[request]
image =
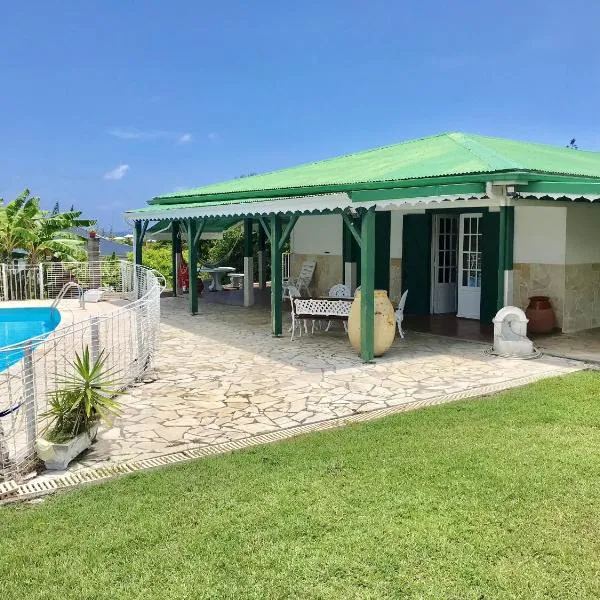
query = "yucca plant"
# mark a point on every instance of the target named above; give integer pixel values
(83, 398)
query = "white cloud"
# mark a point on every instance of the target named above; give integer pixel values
(116, 173)
(149, 136)
(212, 136)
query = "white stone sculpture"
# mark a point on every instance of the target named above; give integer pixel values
(510, 332)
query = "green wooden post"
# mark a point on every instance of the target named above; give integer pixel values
(367, 286)
(248, 263)
(501, 257)
(262, 242)
(174, 251)
(276, 284)
(138, 240)
(192, 227)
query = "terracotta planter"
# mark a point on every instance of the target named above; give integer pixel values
(540, 314)
(385, 322)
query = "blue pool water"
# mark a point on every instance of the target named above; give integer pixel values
(21, 324)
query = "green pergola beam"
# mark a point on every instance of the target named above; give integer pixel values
(265, 227)
(367, 286)
(288, 230)
(352, 228)
(200, 229)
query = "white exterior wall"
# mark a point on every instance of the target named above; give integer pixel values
(583, 234)
(317, 234)
(540, 235)
(397, 220)
(318, 238)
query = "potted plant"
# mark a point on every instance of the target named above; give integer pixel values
(82, 400)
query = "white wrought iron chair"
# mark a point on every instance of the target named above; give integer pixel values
(400, 313)
(339, 290)
(293, 292)
(302, 282)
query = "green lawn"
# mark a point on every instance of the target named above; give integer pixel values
(493, 498)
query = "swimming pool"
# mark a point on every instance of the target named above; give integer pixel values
(21, 324)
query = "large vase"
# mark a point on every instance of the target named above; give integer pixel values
(540, 314)
(385, 322)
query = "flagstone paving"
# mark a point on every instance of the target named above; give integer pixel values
(220, 376)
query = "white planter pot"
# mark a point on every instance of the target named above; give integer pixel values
(57, 457)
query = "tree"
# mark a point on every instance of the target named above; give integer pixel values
(56, 208)
(24, 225)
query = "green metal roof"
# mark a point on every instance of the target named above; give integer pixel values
(445, 158)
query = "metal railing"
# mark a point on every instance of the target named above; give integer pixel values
(63, 292)
(126, 329)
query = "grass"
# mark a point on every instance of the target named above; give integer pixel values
(495, 498)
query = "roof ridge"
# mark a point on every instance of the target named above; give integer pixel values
(332, 158)
(483, 153)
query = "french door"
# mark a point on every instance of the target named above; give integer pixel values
(444, 258)
(469, 266)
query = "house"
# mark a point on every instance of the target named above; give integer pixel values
(107, 245)
(466, 223)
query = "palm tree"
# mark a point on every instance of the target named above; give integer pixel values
(43, 235)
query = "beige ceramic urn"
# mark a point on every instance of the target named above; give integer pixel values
(385, 322)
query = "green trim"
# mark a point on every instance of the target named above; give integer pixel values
(288, 230)
(174, 249)
(502, 225)
(248, 237)
(461, 189)
(192, 227)
(383, 228)
(574, 186)
(416, 262)
(510, 238)
(276, 282)
(367, 286)
(351, 228)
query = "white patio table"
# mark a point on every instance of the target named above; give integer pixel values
(216, 273)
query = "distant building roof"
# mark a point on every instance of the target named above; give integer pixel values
(107, 246)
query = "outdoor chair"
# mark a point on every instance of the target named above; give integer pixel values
(293, 292)
(400, 313)
(302, 282)
(339, 290)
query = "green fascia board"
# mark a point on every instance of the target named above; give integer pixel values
(583, 188)
(416, 162)
(459, 189)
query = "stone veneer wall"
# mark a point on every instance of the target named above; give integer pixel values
(395, 279)
(582, 297)
(574, 291)
(328, 272)
(535, 279)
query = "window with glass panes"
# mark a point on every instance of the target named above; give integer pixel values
(446, 267)
(471, 252)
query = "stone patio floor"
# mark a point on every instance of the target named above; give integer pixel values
(220, 376)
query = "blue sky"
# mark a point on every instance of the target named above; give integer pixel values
(106, 104)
